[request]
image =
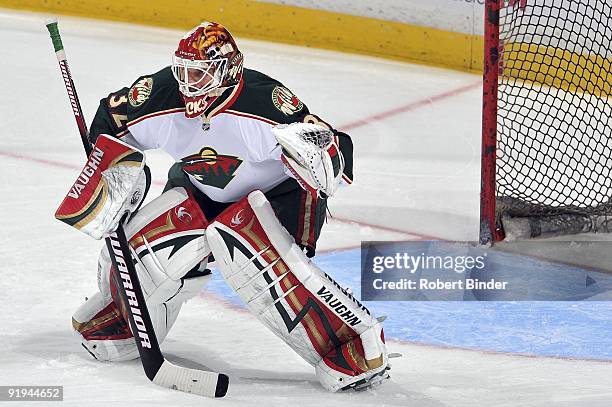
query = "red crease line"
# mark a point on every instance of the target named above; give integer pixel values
(409, 107)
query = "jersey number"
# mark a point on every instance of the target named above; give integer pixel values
(314, 119)
(115, 103)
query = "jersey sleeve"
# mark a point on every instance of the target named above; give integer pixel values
(150, 99)
(120, 112)
(346, 148)
(268, 99)
(111, 118)
(288, 108)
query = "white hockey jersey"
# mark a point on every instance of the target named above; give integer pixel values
(230, 152)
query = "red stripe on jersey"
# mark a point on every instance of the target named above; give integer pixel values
(122, 134)
(231, 101)
(300, 220)
(250, 116)
(309, 221)
(163, 112)
(347, 179)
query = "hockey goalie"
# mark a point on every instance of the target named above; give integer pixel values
(249, 188)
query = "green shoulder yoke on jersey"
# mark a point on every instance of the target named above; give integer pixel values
(267, 98)
(153, 95)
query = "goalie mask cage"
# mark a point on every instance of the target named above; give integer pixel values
(546, 148)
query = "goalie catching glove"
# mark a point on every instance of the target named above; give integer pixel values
(312, 156)
(113, 182)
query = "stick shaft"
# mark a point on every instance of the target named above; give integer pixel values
(124, 272)
(157, 369)
(70, 88)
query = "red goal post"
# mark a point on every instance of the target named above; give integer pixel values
(546, 125)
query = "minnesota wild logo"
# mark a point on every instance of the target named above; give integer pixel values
(210, 168)
(285, 101)
(140, 92)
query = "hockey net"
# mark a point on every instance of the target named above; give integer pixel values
(547, 136)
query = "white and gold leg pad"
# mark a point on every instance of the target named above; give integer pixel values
(170, 252)
(301, 304)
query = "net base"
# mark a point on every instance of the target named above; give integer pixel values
(521, 220)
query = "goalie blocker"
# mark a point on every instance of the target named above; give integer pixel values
(301, 304)
(113, 182)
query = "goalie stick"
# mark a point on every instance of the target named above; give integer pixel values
(156, 367)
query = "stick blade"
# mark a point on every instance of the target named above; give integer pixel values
(201, 382)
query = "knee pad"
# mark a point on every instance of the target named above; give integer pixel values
(297, 301)
(167, 240)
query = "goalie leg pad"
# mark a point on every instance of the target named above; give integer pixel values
(167, 241)
(103, 331)
(167, 238)
(170, 253)
(297, 301)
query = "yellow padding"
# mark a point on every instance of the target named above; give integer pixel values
(558, 68)
(287, 24)
(323, 29)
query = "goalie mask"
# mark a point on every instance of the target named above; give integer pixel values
(206, 63)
